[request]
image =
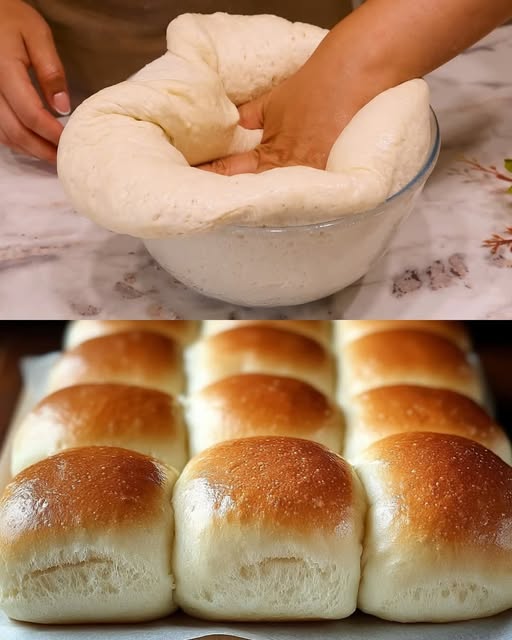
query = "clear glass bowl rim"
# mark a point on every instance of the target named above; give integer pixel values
(353, 219)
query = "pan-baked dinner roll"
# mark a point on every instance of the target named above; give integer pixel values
(350, 330)
(438, 541)
(129, 417)
(260, 349)
(133, 357)
(253, 404)
(87, 536)
(383, 411)
(407, 357)
(182, 331)
(268, 529)
(319, 330)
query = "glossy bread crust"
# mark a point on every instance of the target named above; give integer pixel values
(319, 330)
(132, 357)
(126, 416)
(408, 357)
(439, 529)
(182, 331)
(254, 404)
(91, 488)
(260, 349)
(283, 483)
(380, 412)
(350, 330)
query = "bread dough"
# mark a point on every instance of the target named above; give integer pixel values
(125, 155)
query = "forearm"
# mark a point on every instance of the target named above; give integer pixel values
(391, 41)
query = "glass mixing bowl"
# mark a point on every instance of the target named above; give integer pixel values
(280, 266)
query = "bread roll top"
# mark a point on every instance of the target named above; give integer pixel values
(252, 404)
(133, 357)
(319, 330)
(280, 483)
(260, 349)
(182, 331)
(89, 490)
(350, 330)
(408, 357)
(127, 416)
(441, 489)
(383, 411)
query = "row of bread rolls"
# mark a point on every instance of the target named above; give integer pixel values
(396, 378)
(436, 529)
(237, 393)
(116, 385)
(256, 380)
(264, 528)
(124, 388)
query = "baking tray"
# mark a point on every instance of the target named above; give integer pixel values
(182, 627)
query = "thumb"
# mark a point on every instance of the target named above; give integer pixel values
(252, 113)
(233, 165)
(48, 68)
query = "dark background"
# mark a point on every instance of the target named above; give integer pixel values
(492, 339)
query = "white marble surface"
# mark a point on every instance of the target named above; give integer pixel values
(54, 264)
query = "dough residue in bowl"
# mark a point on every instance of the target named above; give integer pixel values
(126, 157)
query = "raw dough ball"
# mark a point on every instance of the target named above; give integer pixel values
(124, 157)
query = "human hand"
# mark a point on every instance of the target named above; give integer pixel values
(303, 116)
(301, 119)
(380, 45)
(26, 41)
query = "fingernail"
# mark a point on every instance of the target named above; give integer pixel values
(61, 103)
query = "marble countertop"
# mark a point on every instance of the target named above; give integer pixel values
(55, 264)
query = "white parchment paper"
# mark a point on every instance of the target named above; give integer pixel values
(182, 627)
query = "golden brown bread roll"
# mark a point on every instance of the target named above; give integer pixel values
(133, 357)
(182, 331)
(87, 536)
(260, 349)
(125, 416)
(375, 414)
(407, 357)
(268, 529)
(438, 541)
(319, 330)
(350, 330)
(254, 404)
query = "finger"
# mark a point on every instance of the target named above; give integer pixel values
(233, 165)
(21, 139)
(252, 113)
(26, 104)
(48, 68)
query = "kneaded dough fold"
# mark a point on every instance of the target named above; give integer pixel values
(125, 155)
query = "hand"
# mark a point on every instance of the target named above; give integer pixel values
(301, 118)
(381, 44)
(26, 41)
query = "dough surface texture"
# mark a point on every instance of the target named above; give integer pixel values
(126, 157)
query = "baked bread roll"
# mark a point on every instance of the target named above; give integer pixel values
(134, 357)
(143, 420)
(256, 349)
(319, 330)
(350, 330)
(407, 357)
(268, 529)
(182, 331)
(253, 404)
(381, 412)
(438, 541)
(87, 536)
